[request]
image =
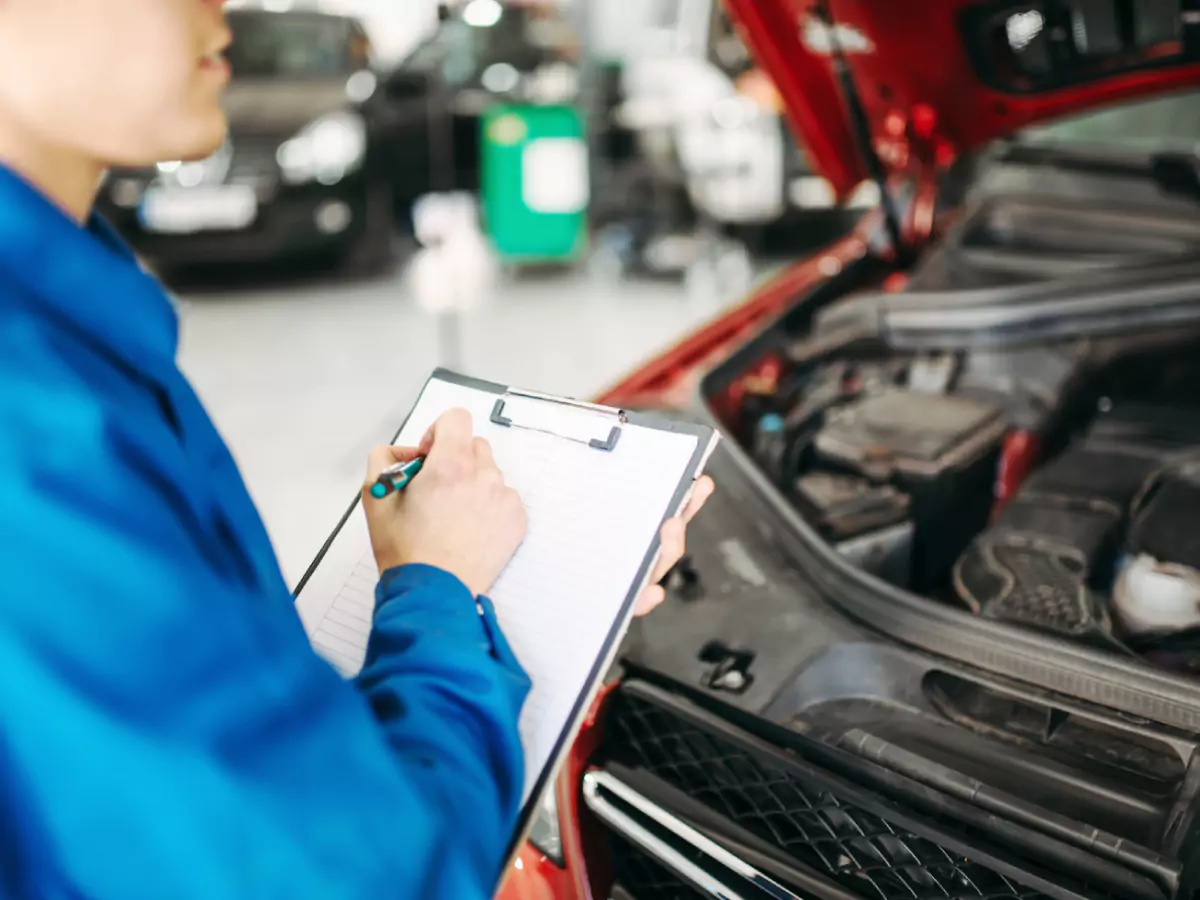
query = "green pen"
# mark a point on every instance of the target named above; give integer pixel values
(396, 478)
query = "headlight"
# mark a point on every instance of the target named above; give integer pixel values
(545, 833)
(326, 150)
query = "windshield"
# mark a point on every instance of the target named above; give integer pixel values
(1164, 125)
(524, 37)
(281, 45)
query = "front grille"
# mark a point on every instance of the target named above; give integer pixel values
(858, 850)
(642, 878)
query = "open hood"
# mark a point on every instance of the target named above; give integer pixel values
(937, 78)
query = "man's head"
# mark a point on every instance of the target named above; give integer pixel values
(121, 82)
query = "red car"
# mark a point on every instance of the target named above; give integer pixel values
(938, 633)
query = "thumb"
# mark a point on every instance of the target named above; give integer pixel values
(407, 454)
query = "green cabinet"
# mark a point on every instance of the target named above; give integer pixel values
(535, 184)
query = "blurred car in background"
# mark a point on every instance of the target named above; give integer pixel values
(303, 171)
(484, 52)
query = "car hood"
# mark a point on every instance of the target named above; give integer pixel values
(280, 107)
(917, 72)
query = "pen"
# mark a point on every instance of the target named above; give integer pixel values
(396, 478)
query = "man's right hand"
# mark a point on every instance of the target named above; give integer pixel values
(456, 514)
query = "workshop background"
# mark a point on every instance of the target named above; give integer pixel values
(541, 193)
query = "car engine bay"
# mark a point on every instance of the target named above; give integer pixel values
(1028, 451)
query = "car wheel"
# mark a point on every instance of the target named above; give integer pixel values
(373, 251)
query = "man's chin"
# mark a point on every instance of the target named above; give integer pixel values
(207, 146)
(200, 139)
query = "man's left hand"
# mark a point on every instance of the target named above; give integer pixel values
(674, 543)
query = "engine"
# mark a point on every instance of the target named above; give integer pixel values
(1017, 483)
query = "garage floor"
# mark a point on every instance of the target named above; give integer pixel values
(303, 374)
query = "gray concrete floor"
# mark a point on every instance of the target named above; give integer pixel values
(304, 375)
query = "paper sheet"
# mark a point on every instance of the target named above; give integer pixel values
(592, 516)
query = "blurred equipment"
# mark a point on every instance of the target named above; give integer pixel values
(535, 183)
(302, 171)
(715, 167)
(455, 271)
(484, 53)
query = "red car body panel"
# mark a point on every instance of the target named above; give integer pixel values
(923, 100)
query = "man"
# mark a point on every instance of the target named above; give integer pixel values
(165, 730)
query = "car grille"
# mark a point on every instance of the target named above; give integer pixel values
(640, 877)
(850, 846)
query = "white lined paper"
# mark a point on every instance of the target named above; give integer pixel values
(592, 516)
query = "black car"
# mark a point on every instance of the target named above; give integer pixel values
(303, 171)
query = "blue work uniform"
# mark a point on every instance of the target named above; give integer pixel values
(166, 731)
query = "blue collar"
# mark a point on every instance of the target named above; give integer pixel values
(86, 276)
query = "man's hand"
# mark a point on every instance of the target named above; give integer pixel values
(456, 514)
(674, 543)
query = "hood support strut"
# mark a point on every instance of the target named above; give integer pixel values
(862, 133)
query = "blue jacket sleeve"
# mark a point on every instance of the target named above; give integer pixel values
(167, 732)
(422, 679)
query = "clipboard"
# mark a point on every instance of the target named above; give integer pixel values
(598, 439)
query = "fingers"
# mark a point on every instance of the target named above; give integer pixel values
(483, 453)
(450, 454)
(451, 434)
(700, 493)
(672, 547)
(649, 599)
(404, 454)
(426, 443)
(381, 458)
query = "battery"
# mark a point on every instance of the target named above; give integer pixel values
(841, 507)
(907, 433)
(941, 450)
(867, 523)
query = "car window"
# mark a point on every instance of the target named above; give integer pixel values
(1162, 125)
(278, 45)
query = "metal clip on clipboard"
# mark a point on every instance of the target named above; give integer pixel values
(606, 444)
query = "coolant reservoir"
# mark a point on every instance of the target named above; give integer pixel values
(1156, 597)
